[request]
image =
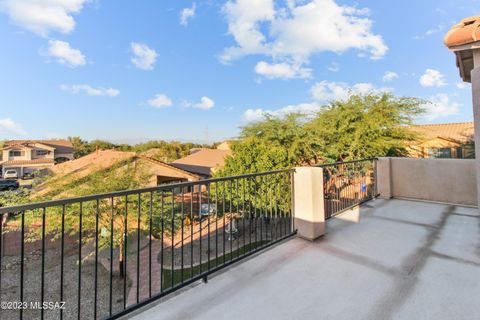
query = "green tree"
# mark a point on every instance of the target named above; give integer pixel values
(160, 150)
(364, 126)
(79, 147)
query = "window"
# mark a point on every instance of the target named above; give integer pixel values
(42, 152)
(469, 151)
(459, 153)
(16, 153)
(440, 153)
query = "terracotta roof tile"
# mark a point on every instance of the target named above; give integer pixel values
(462, 132)
(25, 162)
(92, 162)
(465, 32)
(61, 146)
(202, 161)
(104, 159)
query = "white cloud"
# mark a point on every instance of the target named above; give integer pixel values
(186, 14)
(389, 76)
(65, 54)
(321, 92)
(43, 16)
(462, 85)
(205, 103)
(300, 29)
(8, 126)
(243, 18)
(330, 91)
(432, 78)
(282, 70)
(160, 101)
(89, 90)
(430, 32)
(439, 106)
(334, 67)
(251, 115)
(144, 57)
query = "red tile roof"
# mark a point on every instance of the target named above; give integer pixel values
(462, 132)
(61, 146)
(202, 161)
(27, 162)
(465, 32)
(103, 159)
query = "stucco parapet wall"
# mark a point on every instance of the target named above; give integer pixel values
(440, 180)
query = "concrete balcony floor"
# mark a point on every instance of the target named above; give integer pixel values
(402, 260)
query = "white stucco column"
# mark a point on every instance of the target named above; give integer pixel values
(309, 202)
(384, 178)
(475, 75)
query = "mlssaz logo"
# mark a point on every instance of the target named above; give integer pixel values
(47, 305)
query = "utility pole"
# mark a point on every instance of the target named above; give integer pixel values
(207, 138)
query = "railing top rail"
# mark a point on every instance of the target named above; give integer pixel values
(164, 187)
(343, 162)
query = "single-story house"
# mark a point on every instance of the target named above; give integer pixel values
(446, 140)
(203, 162)
(75, 172)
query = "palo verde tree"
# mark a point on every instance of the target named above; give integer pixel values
(361, 127)
(364, 126)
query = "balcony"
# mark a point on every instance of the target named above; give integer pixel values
(402, 260)
(326, 240)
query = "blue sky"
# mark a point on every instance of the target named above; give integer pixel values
(175, 69)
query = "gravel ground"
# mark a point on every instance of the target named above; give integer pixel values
(32, 285)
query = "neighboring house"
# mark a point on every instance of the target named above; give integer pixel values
(446, 140)
(225, 145)
(203, 162)
(74, 174)
(26, 156)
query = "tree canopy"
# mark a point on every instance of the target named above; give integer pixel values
(158, 149)
(363, 126)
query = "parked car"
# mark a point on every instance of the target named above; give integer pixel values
(9, 185)
(10, 174)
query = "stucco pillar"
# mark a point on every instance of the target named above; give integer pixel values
(309, 202)
(384, 178)
(475, 75)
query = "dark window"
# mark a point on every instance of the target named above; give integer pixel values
(42, 152)
(16, 153)
(440, 153)
(459, 153)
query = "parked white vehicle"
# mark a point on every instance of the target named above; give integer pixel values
(10, 174)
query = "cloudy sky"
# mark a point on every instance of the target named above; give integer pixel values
(178, 69)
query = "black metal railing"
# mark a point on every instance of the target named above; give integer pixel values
(348, 184)
(102, 256)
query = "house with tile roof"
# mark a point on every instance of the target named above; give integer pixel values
(446, 140)
(26, 156)
(203, 161)
(76, 173)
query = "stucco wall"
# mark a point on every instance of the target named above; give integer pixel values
(443, 180)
